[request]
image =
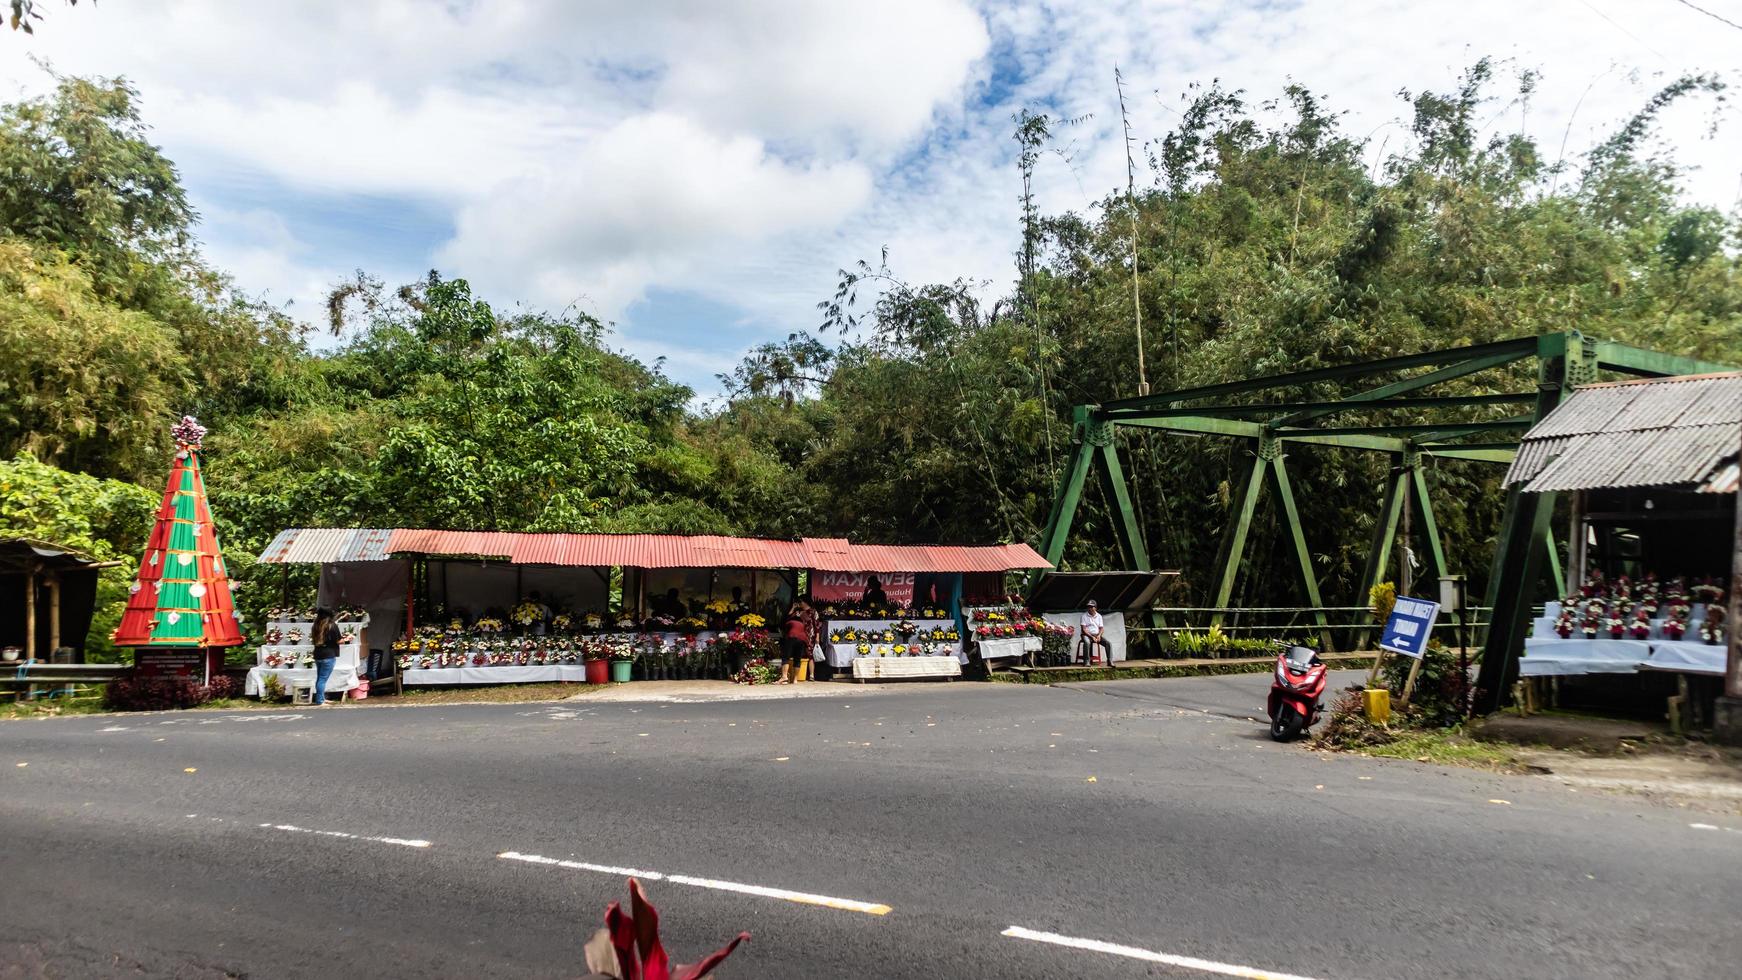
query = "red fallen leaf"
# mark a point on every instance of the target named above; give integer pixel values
(631, 940)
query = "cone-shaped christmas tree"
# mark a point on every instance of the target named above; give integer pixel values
(182, 596)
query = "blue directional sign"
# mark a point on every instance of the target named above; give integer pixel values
(1407, 629)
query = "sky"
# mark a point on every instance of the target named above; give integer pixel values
(696, 172)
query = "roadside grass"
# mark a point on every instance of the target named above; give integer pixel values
(1446, 746)
(88, 704)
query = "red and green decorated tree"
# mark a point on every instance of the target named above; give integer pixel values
(181, 599)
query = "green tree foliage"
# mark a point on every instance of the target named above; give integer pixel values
(106, 519)
(1266, 239)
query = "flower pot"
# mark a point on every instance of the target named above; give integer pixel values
(620, 671)
(598, 671)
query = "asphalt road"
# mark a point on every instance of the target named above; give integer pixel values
(1154, 815)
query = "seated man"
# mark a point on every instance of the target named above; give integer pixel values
(1095, 631)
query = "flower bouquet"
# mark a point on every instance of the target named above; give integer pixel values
(1640, 628)
(1712, 627)
(273, 659)
(751, 621)
(526, 614)
(1616, 626)
(1564, 624)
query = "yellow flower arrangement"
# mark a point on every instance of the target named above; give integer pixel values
(751, 621)
(719, 607)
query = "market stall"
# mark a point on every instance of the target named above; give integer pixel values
(903, 610)
(287, 654)
(1650, 469)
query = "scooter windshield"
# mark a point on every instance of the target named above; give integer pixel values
(1300, 658)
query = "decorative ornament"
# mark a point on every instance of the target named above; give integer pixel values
(185, 558)
(197, 589)
(173, 618)
(134, 588)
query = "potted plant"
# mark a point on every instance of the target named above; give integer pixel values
(598, 663)
(622, 662)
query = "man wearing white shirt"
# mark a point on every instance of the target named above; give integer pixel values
(1095, 631)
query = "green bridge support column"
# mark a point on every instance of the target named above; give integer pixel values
(1234, 538)
(1303, 558)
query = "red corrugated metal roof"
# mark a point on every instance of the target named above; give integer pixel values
(482, 544)
(713, 551)
(656, 551)
(927, 558)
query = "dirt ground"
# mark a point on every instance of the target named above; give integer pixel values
(1632, 757)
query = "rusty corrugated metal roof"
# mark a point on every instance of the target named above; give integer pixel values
(693, 551)
(470, 544)
(315, 546)
(1657, 432)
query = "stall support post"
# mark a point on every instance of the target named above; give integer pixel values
(30, 612)
(1727, 711)
(53, 615)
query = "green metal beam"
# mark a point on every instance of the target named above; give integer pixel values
(1118, 498)
(1457, 431)
(1303, 558)
(1554, 562)
(1627, 359)
(1430, 430)
(1202, 426)
(1521, 347)
(1517, 557)
(1376, 443)
(1479, 455)
(1318, 408)
(1449, 373)
(1379, 546)
(1430, 528)
(1064, 505)
(1234, 538)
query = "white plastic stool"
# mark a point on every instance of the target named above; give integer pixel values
(302, 692)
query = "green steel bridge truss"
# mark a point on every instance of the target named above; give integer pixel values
(1237, 410)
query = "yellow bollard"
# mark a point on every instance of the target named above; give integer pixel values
(1377, 702)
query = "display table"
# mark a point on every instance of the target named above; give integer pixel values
(1013, 646)
(1687, 657)
(843, 654)
(576, 673)
(342, 679)
(346, 668)
(1570, 658)
(889, 668)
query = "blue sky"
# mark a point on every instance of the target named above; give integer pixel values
(696, 171)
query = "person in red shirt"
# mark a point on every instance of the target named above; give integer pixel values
(794, 641)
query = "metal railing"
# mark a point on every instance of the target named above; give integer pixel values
(31, 678)
(1349, 627)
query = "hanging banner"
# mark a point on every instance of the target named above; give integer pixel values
(849, 587)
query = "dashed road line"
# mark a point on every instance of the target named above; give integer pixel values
(803, 898)
(1132, 952)
(292, 828)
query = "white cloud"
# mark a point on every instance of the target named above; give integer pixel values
(744, 151)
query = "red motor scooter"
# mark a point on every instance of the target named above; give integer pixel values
(1295, 690)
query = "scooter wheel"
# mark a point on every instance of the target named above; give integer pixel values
(1286, 726)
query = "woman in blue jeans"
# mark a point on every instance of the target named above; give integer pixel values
(325, 637)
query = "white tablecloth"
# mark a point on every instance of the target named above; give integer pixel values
(343, 679)
(1568, 658)
(495, 675)
(1014, 646)
(843, 654)
(1688, 657)
(350, 654)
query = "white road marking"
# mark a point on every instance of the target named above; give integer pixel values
(113, 728)
(1184, 962)
(402, 842)
(803, 898)
(1703, 826)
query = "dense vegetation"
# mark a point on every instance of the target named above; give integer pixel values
(914, 412)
